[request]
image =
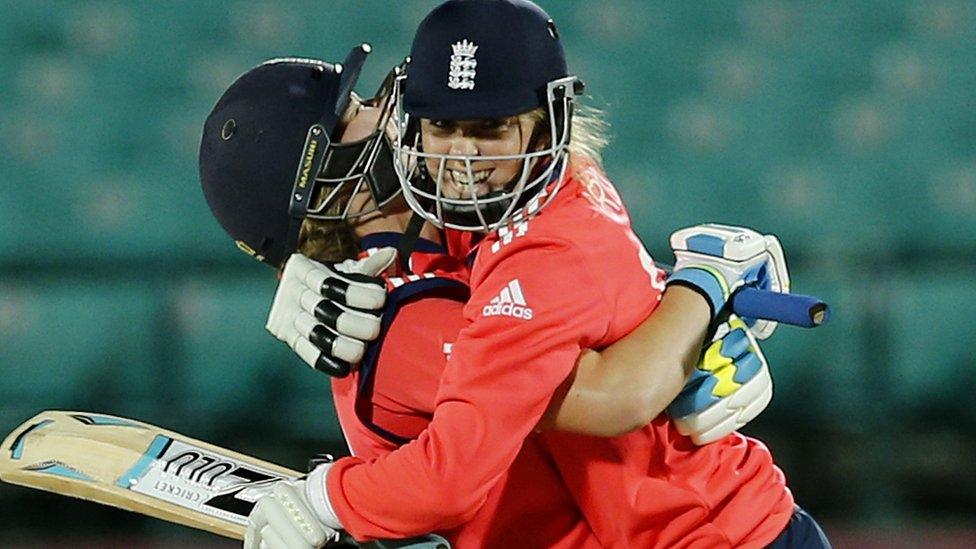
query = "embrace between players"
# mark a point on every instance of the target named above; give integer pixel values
(503, 349)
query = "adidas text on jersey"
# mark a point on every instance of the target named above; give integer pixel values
(509, 302)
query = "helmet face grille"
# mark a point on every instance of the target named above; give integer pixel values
(351, 170)
(422, 174)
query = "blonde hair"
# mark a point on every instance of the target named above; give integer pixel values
(590, 131)
(591, 134)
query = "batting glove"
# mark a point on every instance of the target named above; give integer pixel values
(295, 515)
(729, 388)
(716, 260)
(323, 311)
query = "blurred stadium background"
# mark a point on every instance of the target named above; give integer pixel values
(848, 128)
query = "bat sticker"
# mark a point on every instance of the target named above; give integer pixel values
(189, 476)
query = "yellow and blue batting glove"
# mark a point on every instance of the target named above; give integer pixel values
(716, 260)
(730, 386)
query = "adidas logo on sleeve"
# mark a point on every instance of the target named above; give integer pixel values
(509, 302)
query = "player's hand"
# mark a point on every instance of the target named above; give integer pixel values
(730, 386)
(716, 260)
(323, 311)
(289, 518)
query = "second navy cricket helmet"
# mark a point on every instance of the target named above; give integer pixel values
(484, 59)
(270, 156)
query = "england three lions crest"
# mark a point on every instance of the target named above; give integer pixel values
(463, 65)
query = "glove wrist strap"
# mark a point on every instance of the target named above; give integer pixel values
(318, 496)
(705, 283)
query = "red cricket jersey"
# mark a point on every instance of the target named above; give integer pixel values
(581, 280)
(390, 400)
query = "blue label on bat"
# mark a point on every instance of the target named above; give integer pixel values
(92, 419)
(156, 449)
(59, 469)
(17, 450)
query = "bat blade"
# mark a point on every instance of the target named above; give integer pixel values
(138, 467)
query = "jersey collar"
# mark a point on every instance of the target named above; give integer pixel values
(392, 239)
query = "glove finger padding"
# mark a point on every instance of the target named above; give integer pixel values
(256, 522)
(323, 348)
(729, 388)
(311, 311)
(352, 289)
(775, 278)
(345, 320)
(374, 264)
(735, 244)
(270, 539)
(323, 362)
(329, 341)
(360, 278)
(715, 260)
(283, 519)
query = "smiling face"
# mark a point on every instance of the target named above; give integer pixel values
(473, 138)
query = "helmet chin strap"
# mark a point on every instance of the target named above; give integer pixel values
(291, 238)
(409, 240)
(467, 214)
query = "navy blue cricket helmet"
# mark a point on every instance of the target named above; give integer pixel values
(484, 59)
(269, 155)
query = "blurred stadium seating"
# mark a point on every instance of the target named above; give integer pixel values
(227, 371)
(849, 129)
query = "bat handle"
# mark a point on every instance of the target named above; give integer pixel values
(795, 309)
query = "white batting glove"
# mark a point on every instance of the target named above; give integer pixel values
(716, 260)
(323, 311)
(295, 515)
(729, 388)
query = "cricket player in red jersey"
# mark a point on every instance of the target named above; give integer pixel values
(391, 398)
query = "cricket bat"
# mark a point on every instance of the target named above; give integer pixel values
(138, 467)
(149, 470)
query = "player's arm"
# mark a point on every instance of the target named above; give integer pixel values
(710, 394)
(626, 385)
